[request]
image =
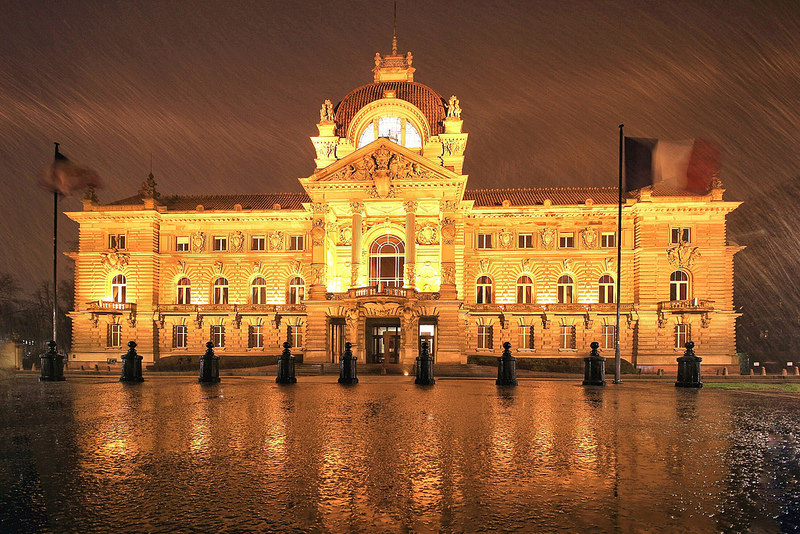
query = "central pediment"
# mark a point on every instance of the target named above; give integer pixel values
(381, 160)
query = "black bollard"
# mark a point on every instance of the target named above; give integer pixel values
(347, 366)
(131, 365)
(52, 365)
(209, 366)
(689, 368)
(595, 368)
(286, 366)
(424, 367)
(506, 367)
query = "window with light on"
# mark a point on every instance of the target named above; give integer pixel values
(397, 129)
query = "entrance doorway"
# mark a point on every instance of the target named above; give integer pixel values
(384, 346)
(427, 332)
(336, 336)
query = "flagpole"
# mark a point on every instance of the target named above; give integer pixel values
(55, 254)
(617, 359)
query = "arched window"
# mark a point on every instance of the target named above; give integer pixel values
(484, 290)
(297, 290)
(679, 286)
(258, 291)
(221, 290)
(119, 288)
(566, 289)
(397, 129)
(524, 290)
(184, 291)
(386, 260)
(606, 289)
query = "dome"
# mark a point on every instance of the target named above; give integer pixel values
(428, 101)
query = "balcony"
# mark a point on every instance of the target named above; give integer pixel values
(107, 306)
(686, 306)
(384, 292)
(556, 307)
(224, 309)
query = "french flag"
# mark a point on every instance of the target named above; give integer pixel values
(689, 165)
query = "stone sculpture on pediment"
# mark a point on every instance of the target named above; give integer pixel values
(682, 254)
(294, 266)
(237, 241)
(218, 267)
(548, 237)
(448, 273)
(427, 234)
(506, 238)
(318, 232)
(527, 265)
(326, 112)
(448, 230)
(276, 242)
(484, 265)
(114, 259)
(453, 107)
(198, 241)
(345, 235)
(589, 237)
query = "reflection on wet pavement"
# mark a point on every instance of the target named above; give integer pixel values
(94, 455)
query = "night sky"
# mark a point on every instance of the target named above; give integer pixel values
(226, 94)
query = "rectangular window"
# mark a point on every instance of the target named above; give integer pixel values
(484, 240)
(179, 336)
(680, 235)
(256, 336)
(296, 336)
(566, 240)
(296, 242)
(218, 335)
(182, 243)
(608, 240)
(525, 240)
(115, 335)
(526, 337)
(681, 335)
(220, 243)
(567, 336)
(116, 241)
(258, 242)
(485, 336)
(608, 336)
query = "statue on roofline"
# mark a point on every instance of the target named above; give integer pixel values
(326, 111)
(453, 107)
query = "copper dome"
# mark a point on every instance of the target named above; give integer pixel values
(429, 102)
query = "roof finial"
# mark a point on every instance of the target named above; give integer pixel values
(394, 31)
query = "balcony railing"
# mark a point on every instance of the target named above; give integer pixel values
(372, 291)
(691, 305)
(211, 309)
(555, 307)
(107, 306)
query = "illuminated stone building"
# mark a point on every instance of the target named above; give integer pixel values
(387, 247)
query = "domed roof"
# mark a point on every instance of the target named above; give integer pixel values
(429, 102)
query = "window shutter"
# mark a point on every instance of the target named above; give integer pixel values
(530, 337)
(174, 336)
(250, 337)
(491, 337)
(108, 335)
(572, 338)
(222, 336)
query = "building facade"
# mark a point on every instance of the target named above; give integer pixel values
(386, 247)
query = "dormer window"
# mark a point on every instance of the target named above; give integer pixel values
(397, 129)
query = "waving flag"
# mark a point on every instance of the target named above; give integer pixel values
(689, 165)
(66, 177)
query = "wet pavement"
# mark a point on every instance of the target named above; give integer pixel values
(170, 455)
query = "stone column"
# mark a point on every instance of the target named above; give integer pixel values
(450, 336)
(447, 288)
(318, 280)
(411, 240)
(355, 247)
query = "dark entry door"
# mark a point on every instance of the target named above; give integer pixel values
(385, 346)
